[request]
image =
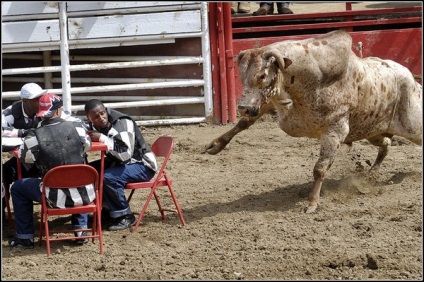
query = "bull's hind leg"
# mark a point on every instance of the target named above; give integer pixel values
(383, 143)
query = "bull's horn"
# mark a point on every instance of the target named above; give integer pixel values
(273, 56)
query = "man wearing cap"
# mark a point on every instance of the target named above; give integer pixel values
(17, 120)
(54, 142)
(20, 116)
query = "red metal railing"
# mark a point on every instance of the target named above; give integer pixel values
(389, 33)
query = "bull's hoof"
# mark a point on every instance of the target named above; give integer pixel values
(212, 148)
(311, 208)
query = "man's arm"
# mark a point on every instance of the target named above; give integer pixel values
(120, 140)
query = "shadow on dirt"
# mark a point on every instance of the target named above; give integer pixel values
(292, 197)
(281, 199)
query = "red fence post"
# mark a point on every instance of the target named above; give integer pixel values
(216, 89)
(229, 55)
(222, 63)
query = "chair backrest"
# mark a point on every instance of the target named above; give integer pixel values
(162, 147)
(71, 176)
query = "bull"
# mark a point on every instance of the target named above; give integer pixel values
(320, 89)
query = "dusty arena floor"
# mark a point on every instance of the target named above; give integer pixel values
(245, 220)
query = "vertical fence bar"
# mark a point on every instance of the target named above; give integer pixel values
(216, 91)
(222, 65)
(207, 77)
(64, 57)
(229, 56)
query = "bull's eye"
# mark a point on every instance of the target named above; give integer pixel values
(262, 77)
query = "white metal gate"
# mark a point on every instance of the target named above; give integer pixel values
(33, 31)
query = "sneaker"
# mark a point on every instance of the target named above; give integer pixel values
(81, 241)
(123, 222)
(24, 243)
(264, 10)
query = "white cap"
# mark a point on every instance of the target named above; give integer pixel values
(31, 91)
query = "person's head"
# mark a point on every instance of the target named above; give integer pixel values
(97, 114)
(30, 94)
(49, 105)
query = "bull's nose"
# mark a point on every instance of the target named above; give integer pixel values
(248, 111)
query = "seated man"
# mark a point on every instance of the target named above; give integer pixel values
(55, 142)
(128, 158)
(17, 120)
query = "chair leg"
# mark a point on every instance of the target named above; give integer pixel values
(180, 214)
(46, 231)
(161, 210)
(130, 196)
(41, 226)
(143, 211)
(177, 206)
(99, 229)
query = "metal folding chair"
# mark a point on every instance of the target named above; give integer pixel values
(162, 147)
(71, 176)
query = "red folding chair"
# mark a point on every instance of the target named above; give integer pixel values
(162, 148)
(71, 176)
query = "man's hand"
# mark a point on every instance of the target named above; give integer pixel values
(94, 135)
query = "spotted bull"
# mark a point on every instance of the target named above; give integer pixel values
(321, 89)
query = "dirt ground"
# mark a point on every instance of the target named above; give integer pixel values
(245, 221)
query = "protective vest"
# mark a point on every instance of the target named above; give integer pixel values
(140, 147)
(19, 119)
(60, 144)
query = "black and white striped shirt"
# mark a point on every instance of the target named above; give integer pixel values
(28, 155)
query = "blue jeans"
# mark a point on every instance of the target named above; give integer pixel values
(24, 191)
(114, 181)
(279, 4)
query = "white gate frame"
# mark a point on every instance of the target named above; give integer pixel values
(131, 84)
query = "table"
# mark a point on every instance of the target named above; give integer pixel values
(102, 148)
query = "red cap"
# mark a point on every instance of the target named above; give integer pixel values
(48, 104)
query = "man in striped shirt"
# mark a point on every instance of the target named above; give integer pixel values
(128, 158)
(17, 120)
(55, 142)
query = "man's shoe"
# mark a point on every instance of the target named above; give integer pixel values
(264, 10)
(24, 243)
(123, 222)
(244, 7)
(81, 241)
(284, 10)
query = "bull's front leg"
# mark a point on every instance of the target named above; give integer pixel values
(330, 143)
(218, 144)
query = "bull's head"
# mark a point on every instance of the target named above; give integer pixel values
(261, 76)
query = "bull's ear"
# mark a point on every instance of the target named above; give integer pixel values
(274, 57)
